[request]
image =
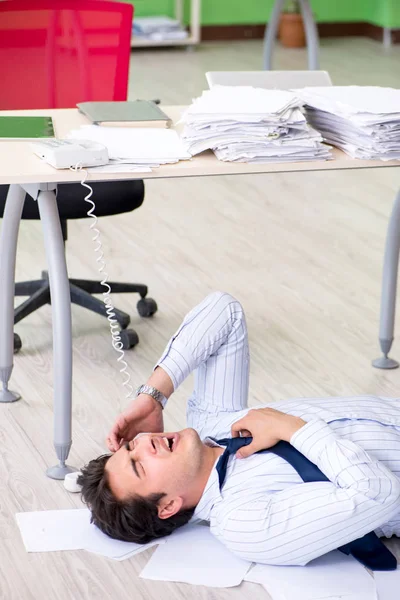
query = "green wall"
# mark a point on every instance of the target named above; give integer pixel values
(385, 13)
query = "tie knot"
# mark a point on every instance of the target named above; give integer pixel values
(234, 444)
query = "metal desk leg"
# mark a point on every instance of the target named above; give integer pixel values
(389, 289)
(312, 38)
(271, 31)
(8, 250)
(62, 331)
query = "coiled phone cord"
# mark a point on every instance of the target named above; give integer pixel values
(114, 326)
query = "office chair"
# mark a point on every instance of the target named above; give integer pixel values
(54, 54)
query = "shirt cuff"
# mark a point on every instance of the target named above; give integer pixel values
(312, 439)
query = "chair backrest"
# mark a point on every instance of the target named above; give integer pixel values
(282, 80)
(56, 53)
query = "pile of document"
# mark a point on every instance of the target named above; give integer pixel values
(252, 125)
(134, 149)
(363, 121)
(158, 29)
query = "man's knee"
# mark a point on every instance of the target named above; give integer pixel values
(225, 300)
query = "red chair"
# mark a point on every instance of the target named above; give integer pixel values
(54, 54)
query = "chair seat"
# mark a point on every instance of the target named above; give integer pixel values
(110, 197)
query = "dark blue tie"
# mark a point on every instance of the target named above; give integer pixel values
(368, 550)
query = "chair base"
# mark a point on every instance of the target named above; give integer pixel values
(81, 294)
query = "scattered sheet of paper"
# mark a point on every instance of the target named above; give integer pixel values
(330, 576)
(193, 555)
(95, 541)
(387, 584)
(54, 530)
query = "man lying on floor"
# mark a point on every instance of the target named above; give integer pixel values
(260, 506)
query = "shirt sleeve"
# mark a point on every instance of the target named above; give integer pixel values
(212, 342)
(308, 520)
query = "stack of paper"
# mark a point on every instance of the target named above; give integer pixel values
(254, 125)
(141, 148)
(158, 28)
(363, 121)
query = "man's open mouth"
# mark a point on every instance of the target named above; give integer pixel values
(170, 442)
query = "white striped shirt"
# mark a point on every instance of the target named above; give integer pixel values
(265, 513)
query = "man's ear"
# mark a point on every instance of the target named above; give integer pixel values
(169, 508)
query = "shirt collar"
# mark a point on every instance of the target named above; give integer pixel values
(211, 492)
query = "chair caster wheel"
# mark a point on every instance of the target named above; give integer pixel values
(129, 338)
(17, 343)
(147, 307)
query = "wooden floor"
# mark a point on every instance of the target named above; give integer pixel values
(303, 253)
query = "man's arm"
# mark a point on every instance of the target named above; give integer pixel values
(308, 520)
(144, 413)
(212, 342)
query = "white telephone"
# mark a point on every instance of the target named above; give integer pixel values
(64, 154)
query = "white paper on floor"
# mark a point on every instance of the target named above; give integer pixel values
(331, 576)
(387, 584)
(54, 530)
(193, 555)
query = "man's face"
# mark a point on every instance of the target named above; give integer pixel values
(157, 462)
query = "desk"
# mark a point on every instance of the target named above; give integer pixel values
(20, 165)
(21, 168)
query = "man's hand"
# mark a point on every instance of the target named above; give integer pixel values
(143, 414)
(267, 426)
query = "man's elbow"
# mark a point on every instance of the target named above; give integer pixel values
(394, 493)
(387, 500)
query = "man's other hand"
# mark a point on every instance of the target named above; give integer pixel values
(267, 427)
(144, 414)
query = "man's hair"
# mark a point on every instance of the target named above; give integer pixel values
(132, 520)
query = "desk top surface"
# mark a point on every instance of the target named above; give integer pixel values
(18, 164)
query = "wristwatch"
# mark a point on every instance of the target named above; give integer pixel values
(153, 392)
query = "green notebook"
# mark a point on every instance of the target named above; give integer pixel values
(137, 113)
(26, 128)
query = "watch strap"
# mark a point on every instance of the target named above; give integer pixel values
(153, 392)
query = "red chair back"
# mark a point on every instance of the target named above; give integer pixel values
(55, 53)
